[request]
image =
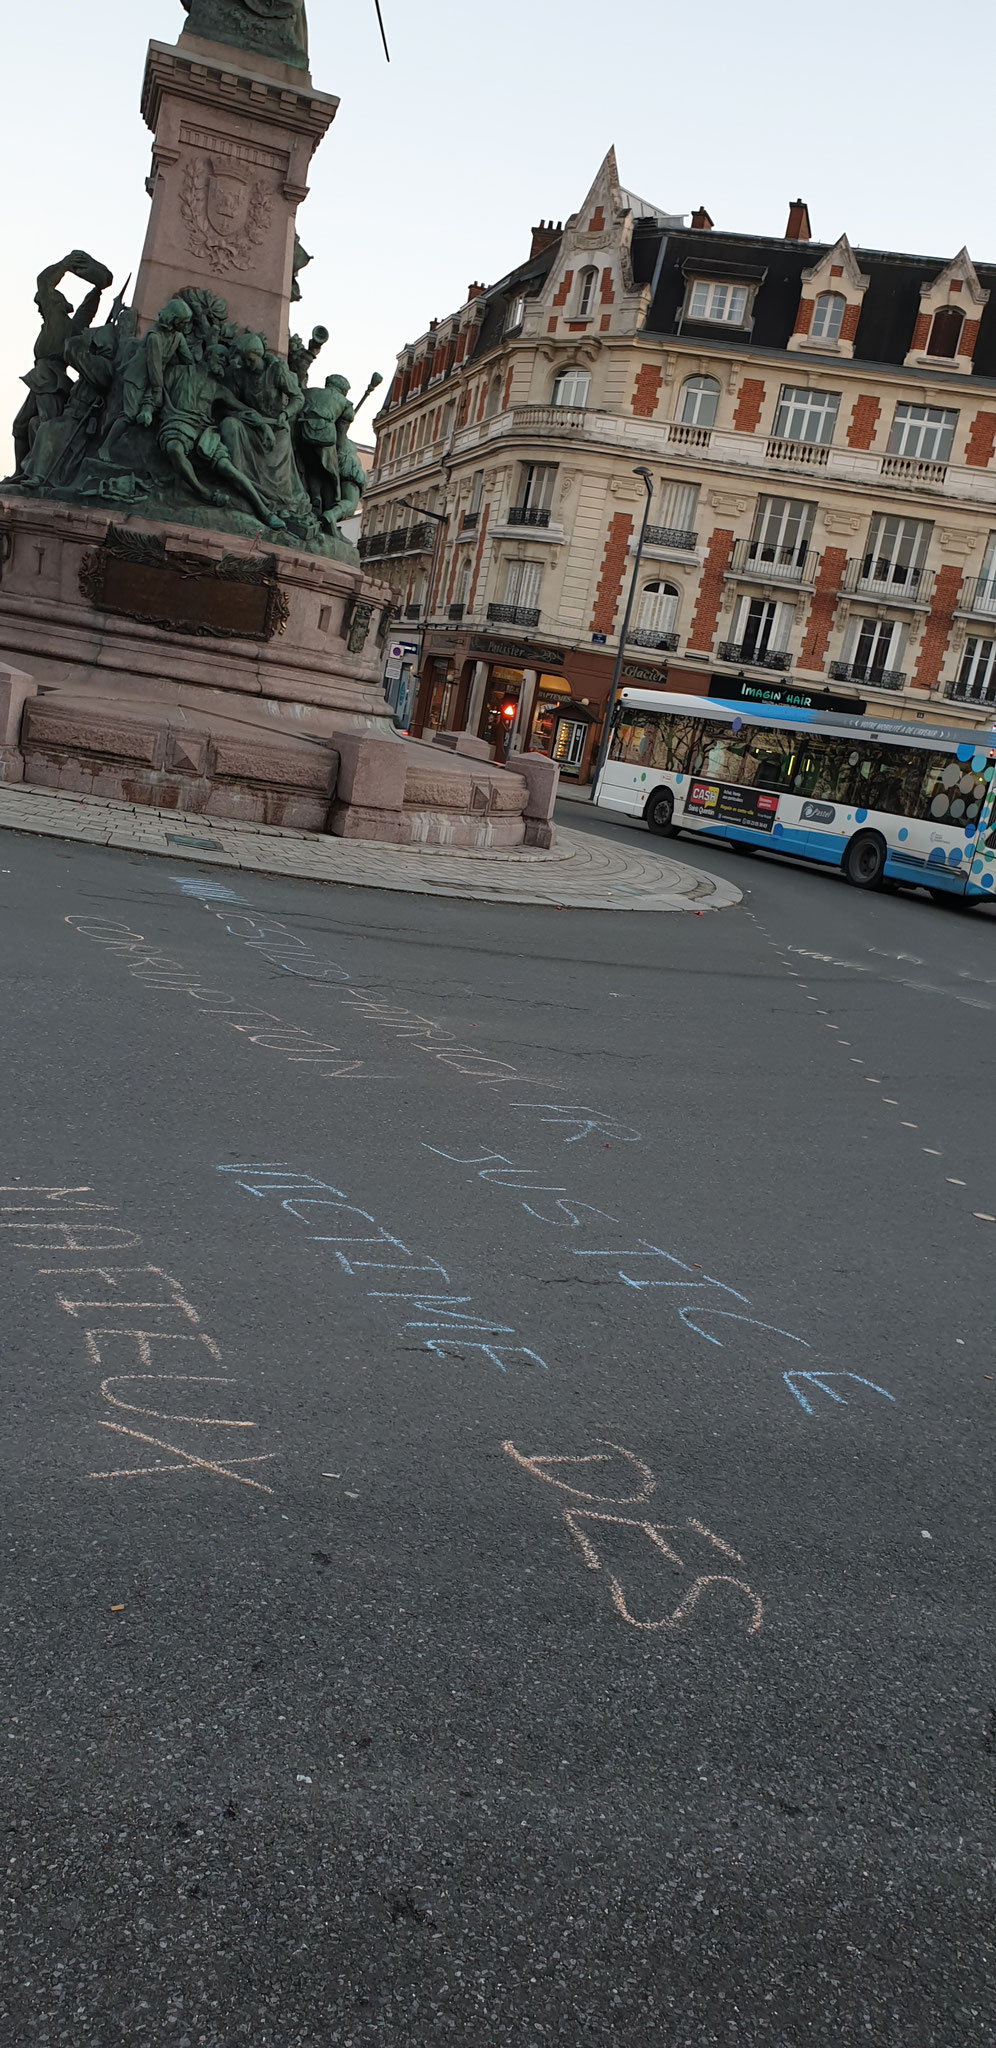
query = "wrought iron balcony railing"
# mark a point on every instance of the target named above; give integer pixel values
(765, 562)
(971, 693)
(405, 540)
(455, 611)
(752, 657)
(646, 636)
(413, 611)
(514, 614)
(866, 672)
(670, 537)
(528, 515)
(979, 596)
(896, 582)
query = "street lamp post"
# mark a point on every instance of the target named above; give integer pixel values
(603, 745)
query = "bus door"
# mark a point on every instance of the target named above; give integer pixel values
(982, 874)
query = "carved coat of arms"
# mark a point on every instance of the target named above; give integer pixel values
(226, 214)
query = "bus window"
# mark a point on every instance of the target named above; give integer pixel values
(952, 792)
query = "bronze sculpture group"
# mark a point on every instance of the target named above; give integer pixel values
(192, 414)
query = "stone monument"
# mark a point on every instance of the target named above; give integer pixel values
(175, 594)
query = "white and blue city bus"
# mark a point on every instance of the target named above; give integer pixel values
(881, 800)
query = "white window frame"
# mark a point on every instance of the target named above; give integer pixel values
(978, 667)
(923, 433)
(677, 507)
(515, 315)
(537, 483)
(876, 633)
(658, 608)
(720, 304)
(826, 325)
(782, 531)
(587, 286)
(775, 625)
(695, 398)
(895, 552)
(522, 584)
(799, 409)
(571, 387)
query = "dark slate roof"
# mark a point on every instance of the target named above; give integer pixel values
(888, 314)
(524, 282)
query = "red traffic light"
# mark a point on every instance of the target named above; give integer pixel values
(508, 711)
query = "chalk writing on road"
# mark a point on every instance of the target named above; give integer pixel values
(280, 947)
(157, 970)
(817, 1379)
(133, 1320)
(585, 1524)
(446, 1321)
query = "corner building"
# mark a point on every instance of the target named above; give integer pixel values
(819, 423)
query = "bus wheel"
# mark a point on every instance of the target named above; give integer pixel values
(659, 814)
(864, 861)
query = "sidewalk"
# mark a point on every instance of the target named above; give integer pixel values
(581, 872)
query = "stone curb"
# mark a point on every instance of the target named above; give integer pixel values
(582, 872)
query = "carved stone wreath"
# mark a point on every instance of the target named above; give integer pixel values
(223, 246)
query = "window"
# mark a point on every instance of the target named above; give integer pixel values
(725, 303)
(945, 332)
(923, 431)
(658, 608)
(420, 435)
(492, 401)
(448, 411)
(985, 589)
(782, 531)
(806, 415)
(677, 507)
(762, 627)
(463, 580)
(522, 584)
(571, 387)
(895, 553)
(952, 791)
(828, 317)
(977, 674)
(875, 647)
(515, 315)
(586, 293)
(699, 402)
(476, 491)
(536, 486)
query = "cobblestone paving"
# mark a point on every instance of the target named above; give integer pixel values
(581, 872)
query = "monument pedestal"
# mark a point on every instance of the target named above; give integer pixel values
(234, 138)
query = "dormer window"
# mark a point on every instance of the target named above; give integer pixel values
(945, 332)
(725, 304)
(515, 315)
(586, 293)
(828, 317)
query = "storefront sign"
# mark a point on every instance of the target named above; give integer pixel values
(732, 803)
(642, 672)
(794, 696)
(522, 656)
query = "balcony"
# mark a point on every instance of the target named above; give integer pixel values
(979, 597)
(455, 611)
(865, 672)
(413, 611)
(751, 657)
(681, 436)
(514, 614)
(967, 693)
(889, 582)
(645, 636)
(810, 454)
(469, 521)
(760, 561)
(909, 469)
(670, 537)
(405, 540)
(551, 419)
(528, 515)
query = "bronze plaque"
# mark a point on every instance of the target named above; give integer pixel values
(133, 576)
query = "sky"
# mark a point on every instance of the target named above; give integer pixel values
(489, 118)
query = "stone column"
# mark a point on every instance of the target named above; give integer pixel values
(475, 700)
(234, 137)
(524, 713)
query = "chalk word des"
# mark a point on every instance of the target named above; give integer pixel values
(280, 947)
(447, 1325)
(159, 971)
(584, 1524)
(139, 1330)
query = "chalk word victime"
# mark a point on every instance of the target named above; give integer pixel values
(445, 1320)
(141, 1334)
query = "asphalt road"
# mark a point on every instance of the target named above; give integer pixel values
(495, 1465)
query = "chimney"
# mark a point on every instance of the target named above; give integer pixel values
(474, 291)
(702, 219)
(544, 235)
(798, 229)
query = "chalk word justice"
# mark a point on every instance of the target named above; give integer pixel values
(445, 1320)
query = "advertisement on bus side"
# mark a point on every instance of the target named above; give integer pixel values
(732, 803)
